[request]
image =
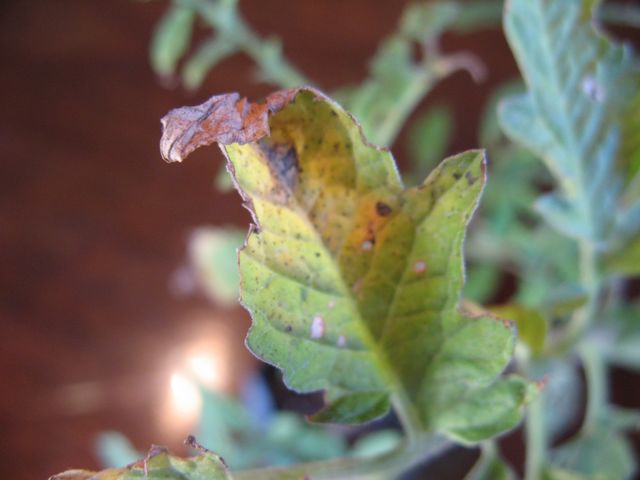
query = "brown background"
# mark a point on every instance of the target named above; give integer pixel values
(93, 224)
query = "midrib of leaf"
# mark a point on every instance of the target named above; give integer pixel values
(552, 57)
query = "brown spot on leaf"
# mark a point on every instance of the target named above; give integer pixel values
(283, 162)
(383, 209)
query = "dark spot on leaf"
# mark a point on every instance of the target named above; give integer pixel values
(333, 113)
(288, 328)
(283, 161)
(470, 178)
(383, 209)
(457, 175)
(318, 254)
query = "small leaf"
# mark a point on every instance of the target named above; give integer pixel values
(532, 326)
(353, 281)
(171, 39)
(159, 465)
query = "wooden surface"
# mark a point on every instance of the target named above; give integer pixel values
(93, 224)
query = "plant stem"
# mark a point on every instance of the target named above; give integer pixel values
(583, 317)
(388, 465)
(225, 21)
(536, 439)
(597, 388)
(406, 415)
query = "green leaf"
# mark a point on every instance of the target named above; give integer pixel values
(532, 326)
(571, 114)
(351, 280)
(159, 465)
(212, 252)
(171, 39)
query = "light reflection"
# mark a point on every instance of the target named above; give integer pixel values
(199, 363)
(186, 400)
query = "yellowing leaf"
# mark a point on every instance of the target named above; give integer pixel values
(353, 281)
(159, 465)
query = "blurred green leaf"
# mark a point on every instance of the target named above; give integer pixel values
(115, 450)
(213, 253)
(207, 56)
(429, 138)
(564, 300)
(422, 20)
(570, 116)
(625, 261)
(376, 443)
(223, 181)
(532, 325)
(481, 283)
(171, 39)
